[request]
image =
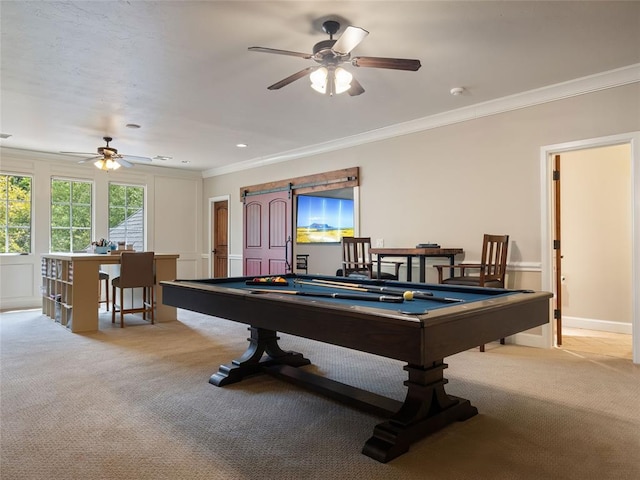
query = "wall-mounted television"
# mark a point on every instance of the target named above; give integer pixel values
(323, 219)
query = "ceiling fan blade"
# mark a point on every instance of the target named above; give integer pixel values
(292, 78)
(124, 163)
(280, 52)
(90, 159)
(135, 158)
(356, 88)
(79, 153)
(381, 62)
(349, 40)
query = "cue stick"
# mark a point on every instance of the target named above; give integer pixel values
(344, 296)
(391, 290)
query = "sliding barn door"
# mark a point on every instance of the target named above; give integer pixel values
(268, 223)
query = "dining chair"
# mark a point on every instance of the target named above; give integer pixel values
(136, 271)
(358, 261)
(490, 272)
(302, 262)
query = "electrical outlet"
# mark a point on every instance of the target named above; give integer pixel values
(379, 242)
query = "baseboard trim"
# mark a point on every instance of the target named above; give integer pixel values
(600, 325)
(20, 304)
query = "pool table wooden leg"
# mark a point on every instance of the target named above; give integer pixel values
(426, 409)
(261, 341)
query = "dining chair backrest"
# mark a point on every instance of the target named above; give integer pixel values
(136, 269)
(356, 257)
(494, 259)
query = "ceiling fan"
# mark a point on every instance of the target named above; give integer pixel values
(108, 157)
(329, 77)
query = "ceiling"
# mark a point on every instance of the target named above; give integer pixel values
(73, 72)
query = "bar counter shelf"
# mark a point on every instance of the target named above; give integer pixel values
(70, 287)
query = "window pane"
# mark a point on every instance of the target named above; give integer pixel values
(19, 240)
(116, 216)
(81, 216)
(81, 193)
(19, 214)
(60, 241)
(60, 215)
(60, 191)
(81, 239)
(135, 198)
(117, 195)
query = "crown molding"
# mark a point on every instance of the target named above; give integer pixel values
(592, 83)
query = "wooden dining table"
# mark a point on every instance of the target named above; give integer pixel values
(420, 253)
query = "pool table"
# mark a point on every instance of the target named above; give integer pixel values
(369, 316)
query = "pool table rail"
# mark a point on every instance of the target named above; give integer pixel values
(422, 338)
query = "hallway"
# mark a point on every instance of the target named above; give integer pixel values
(595, 341)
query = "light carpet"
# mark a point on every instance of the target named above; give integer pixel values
(135, 403)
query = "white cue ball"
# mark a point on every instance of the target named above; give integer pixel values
(407, 295)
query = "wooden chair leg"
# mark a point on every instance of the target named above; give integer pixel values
(482, 347)
(104, 278)
(122, 308)
(113, 307)
(151, 303)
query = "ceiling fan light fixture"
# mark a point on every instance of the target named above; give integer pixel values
(107, 164)
(319, 80)
(338, 80)
(343, 80)
(329, 78)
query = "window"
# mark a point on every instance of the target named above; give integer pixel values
(70, 215)
(15, 214)
(126, 215)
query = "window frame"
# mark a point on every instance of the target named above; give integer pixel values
(70, 227)
(143, 187)
(31, 178)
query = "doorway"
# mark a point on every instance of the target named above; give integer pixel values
(578, 244)
(594, 298)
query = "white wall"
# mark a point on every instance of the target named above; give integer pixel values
(173, 209)
(453, 183)
(450, 184)
(596, 235)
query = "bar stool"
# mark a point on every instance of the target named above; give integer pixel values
(103, 276)
(136, 271)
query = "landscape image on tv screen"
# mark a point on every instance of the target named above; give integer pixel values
(323, 219)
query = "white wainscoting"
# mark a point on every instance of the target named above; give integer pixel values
(235, 265)
(19, 286)
(188, 267)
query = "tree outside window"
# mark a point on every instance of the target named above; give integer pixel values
(126, 215)
(70, 215)
(15, 214)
